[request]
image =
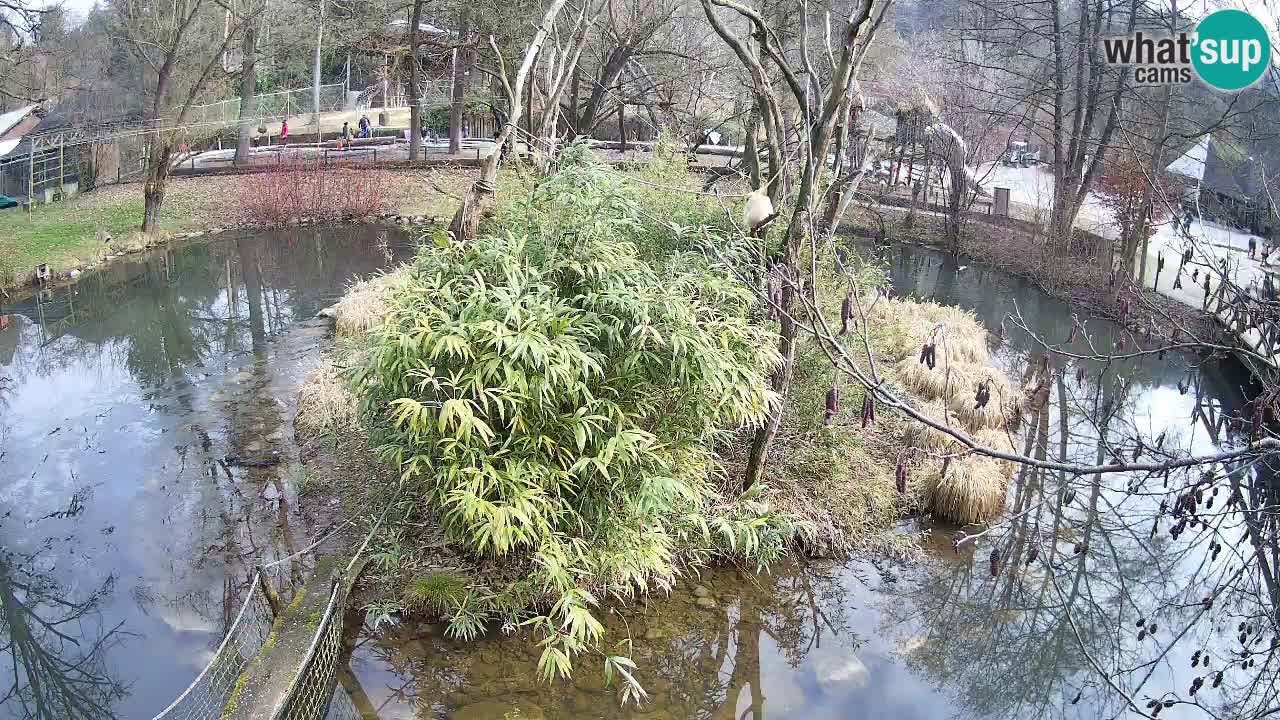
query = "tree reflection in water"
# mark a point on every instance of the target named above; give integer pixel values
(53, 642)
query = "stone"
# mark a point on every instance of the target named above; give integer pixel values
(705, 603)
(701, 591)
(74, 274)
(253, 447)
(495, 710)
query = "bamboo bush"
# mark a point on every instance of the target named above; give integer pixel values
(554, 401)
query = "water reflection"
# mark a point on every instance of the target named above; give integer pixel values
(160, 392)
(1038, 618)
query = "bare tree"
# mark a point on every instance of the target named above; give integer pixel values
(171, 39)
(823, 109)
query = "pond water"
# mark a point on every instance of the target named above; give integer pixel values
(126, 537)
(943, 637)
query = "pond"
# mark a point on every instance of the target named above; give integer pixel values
(130, 524)
(127, 528)
(937, 638)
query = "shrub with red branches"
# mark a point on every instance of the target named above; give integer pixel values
(302, 189)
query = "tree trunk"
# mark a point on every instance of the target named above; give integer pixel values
(315, 80)
(750, 153)
(415, 111)
(248, 92)
(480, 197)
(457, 101)
(157, 177)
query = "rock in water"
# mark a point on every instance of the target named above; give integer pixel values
(705, 603)
(701, 591)
(842, 671)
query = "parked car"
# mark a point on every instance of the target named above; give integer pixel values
(1020, 153)
(7, 202)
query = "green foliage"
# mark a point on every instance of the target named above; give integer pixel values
(438, 592)
(555, 399)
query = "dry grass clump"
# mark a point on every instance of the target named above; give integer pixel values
(972, 490)
(326, 403)
(365, 304)
(964, 340)
(974, 487)
(992, 416)
(941, 382)
(919, 435)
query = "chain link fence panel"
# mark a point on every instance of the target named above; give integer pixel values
(211, 691)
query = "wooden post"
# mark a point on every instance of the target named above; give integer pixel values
(31, 177)
(62, 171)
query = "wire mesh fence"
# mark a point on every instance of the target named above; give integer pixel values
(212, 690)
(314, 686)
(273, 105)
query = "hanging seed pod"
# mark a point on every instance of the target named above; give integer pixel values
(832, 406)
(983, 396)
(1217, 679)
(1142, 622)
(1195, 658)
(1156, 711)
(995, 562)
(901, 478)
(1195, 685)
(1160, 440)
(1141, 634)
(1068, 495)
(1168, 703)
(924, 354)
(1209, 504)
(1076, 699)
(1033, 553)
(1151, 628)
(868, 410)
(846, 313)
(1152, 703)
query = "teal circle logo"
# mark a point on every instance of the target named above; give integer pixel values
(1232, 50)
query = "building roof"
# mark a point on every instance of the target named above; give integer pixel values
(1191, 163)
(13, 117)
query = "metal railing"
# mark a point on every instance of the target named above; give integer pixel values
(214, 688)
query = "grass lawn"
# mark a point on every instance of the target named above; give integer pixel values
(66, 234)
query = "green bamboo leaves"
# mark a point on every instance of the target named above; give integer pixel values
(554, 391)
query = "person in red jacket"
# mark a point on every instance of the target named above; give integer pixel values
(284, 130)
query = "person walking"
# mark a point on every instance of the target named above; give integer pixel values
(346, 131)
(284, 130)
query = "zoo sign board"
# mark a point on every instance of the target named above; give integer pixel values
(1229, 51)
